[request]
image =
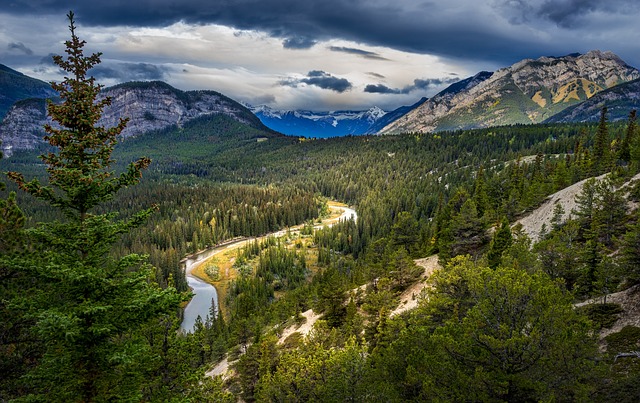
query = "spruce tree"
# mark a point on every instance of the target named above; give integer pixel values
(600, 155)
(88, 305)
(625, 148)
(502, 240)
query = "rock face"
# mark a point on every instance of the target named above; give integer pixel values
(529, 91)
(22, 128)
(149, 105)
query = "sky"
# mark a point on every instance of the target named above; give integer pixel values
(309, 54)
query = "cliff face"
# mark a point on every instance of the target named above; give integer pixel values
(21, 128)
(149, 106)
(529, 91)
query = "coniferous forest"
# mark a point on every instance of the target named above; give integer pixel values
(92, 234)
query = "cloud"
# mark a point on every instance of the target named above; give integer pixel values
(418, 84)
(129, 71)
(358, 52)
(321, 79)
(380, 89)
(376, 75)
(498, 31)
(298, 42)
(21, 48)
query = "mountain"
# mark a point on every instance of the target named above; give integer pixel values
(620, 100)
(150, 106)
(392, 116)
(319, 124)
(15, 86)
(529, 91)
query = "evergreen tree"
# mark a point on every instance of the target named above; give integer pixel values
(630, 252)
(87, 306)
(480, 196)
(17, 350)
(629, 138)
(600, 155)
(502, 240)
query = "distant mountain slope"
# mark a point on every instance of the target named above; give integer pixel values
(15, 86)
(438, 105)
(392, 116)
(319, 124)
(620, 100)
(149, 105)
(529, 91)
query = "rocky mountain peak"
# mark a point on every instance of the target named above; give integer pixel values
(529, 91)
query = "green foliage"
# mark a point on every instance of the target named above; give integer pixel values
(502, 240)
(494, 334)
(619, 384)
(85, 306)
(603, 315)
(318, 374)
(601, 143)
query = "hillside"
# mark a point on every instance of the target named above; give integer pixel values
(151, 106)
(529, 91)
(619, 101)
(15, 86)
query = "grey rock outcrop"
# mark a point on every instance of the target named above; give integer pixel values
(149, 106)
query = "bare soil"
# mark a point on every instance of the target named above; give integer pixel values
(409, 298)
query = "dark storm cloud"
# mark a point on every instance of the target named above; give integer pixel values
(129, 72)
(566, 13)
(321, 79)
(466, 29)
(418, 84)
(20, 48)
(358, 52)
(298, 42)
(48, 60)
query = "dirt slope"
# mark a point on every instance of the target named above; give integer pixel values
(409, 298)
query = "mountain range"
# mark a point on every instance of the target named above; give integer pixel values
(150, 105)
(530, 91)
(319, 124)
(571, 88)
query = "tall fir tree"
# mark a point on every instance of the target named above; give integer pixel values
(87, 306)
(600, 156)
(625, 147)
(502, 240)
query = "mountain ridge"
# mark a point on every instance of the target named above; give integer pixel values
(17, 86)
(150, 105)
(319, 124)
(529, 91)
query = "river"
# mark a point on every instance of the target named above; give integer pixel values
(205, 293)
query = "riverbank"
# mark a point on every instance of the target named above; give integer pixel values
(223, 256)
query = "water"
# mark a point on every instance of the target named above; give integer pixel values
(204, 294)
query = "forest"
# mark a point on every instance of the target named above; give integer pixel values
(92, 289)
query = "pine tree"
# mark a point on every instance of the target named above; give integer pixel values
(600, 155)
(625, 147)
(16, 349)
(502, 240)
(480, 196)
(87, 305)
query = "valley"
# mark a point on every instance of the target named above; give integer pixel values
(486, 241)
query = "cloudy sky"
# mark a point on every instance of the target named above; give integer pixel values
(311, 54)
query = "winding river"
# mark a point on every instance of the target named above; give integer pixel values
(205, 294)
